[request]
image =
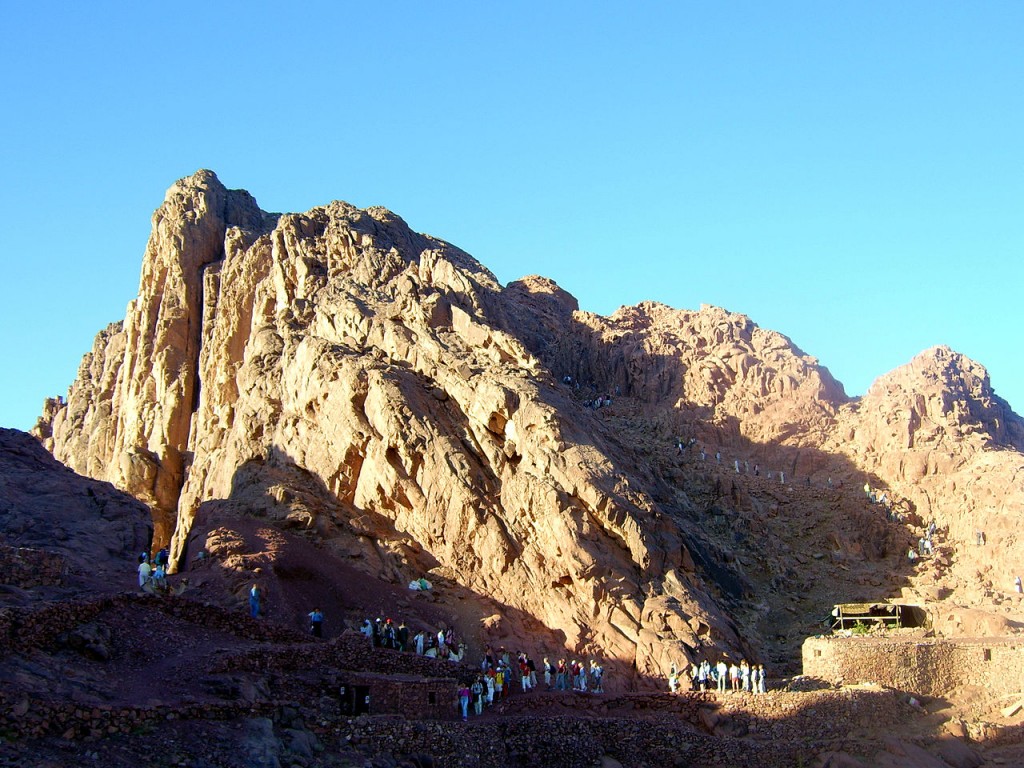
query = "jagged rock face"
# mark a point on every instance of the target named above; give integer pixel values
(714, 365)
(343, 374)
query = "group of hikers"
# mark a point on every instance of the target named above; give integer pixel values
(499, 674)
(723, 676)
(153, 575)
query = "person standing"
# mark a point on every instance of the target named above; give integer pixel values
(1017, 586)
(316, 623)
(255, 596)
(723, 672)
(145, 571)
(464, 694)
(478, 695)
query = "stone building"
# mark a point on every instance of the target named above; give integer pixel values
(928, 666)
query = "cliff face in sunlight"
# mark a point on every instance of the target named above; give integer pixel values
(338, 374)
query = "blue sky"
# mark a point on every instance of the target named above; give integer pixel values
(851, 175)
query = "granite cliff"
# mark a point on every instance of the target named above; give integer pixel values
(379, 393)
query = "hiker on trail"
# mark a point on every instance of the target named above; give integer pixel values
(723, 671)
(581, 678)
(144, 573)
(718, 456)
(499, 680)
(316, 623)
(597, 674)
(478, 694)
(782, 477)
(980, 538)
(703, 674)
(1017, 585)
(911, 555)
(367, 631)
(464, 694)
(489, 682)
(736, 463)
(255, 596)
(673, 678)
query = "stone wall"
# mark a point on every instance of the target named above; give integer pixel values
(26, 568)
(926, 666)
(23, 629)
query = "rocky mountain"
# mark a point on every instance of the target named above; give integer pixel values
(649, 486)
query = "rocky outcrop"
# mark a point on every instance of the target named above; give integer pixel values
(339, 374)
(935, 433)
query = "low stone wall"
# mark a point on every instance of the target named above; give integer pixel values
(348, 651)
(927, 666)
(33, 717)
(23, 629)
(27, 568)
(779, 729)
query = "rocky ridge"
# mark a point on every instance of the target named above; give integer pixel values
(378, 391)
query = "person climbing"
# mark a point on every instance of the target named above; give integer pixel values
(316, 623)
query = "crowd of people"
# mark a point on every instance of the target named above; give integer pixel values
(153, 575)
(723, 677)
(500, 673)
